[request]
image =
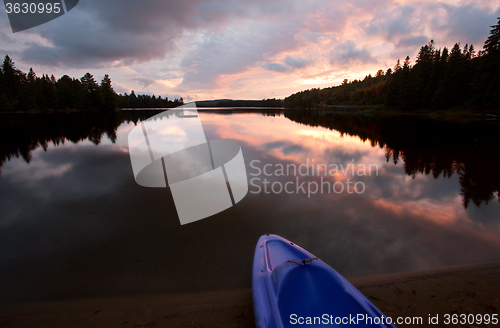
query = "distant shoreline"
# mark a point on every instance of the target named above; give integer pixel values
(460, 115)
(211, 109)
(463, 115)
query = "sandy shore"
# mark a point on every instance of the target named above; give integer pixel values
(456, 290)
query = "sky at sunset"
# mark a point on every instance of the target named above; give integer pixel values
(240, 49)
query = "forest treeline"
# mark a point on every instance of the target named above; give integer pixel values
(240, 103)
(20, 91)
(147, 101)
(251, 103)
(439, 79)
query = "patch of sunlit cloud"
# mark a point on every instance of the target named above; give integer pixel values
(171, 84)
(321, 80)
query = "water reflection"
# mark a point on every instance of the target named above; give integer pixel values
(427, 147)
(74, 222)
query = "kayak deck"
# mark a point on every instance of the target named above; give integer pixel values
(290, 285)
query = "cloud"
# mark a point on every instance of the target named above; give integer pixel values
(296, 62)
(276, 67)
(414, 24)
(235, 50)
(410, 42)
(144, 81)
(348, 53)
(288, 65)
(392, 23)
(466, 24)
(122, 32)
(224, 48)
(96, 33)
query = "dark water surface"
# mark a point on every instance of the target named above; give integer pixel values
(73, 222)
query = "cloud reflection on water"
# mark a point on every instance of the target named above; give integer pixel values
(90, 230)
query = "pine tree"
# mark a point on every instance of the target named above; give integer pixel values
(28, 92)
(492, 44)
(486, 84)
(397, 67)
(109, 99)
(90, 87)
(11, 80)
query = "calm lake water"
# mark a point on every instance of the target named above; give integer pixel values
(74, 223)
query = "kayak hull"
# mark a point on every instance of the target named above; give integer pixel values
(291, 287)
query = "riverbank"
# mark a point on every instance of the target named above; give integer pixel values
(457, 115)
(473, 289)
(461, 115)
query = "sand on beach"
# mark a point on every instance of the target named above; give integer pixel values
(472, 289)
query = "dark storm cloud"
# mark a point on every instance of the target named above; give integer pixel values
(99, 32)
(348, 53)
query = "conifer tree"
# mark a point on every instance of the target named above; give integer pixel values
(108, 96)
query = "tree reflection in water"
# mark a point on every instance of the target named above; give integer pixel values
(426, 146)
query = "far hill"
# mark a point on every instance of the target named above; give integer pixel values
(240, 103)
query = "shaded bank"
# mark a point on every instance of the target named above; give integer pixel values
(430, 147)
